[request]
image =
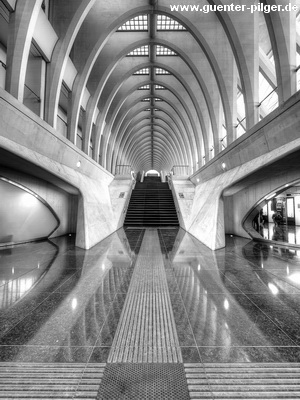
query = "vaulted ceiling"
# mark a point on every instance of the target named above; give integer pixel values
(153, 85)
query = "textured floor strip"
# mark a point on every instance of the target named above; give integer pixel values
(146, 332)
(50, 381)
(143, 382)
(243, 381)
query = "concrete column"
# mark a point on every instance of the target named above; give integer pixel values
(220, 122)
(249, 39)
(2, 66)
(59, 61)
(20, 34)
(282, 31)
(35, 81)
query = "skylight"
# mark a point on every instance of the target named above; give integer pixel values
(159, 87)
(161, 71)
(164, 51)
(158, 99)
(144, 87)
(165, 23)
(223, 140)
(241, 114)
(146, 99)
(267, 95)
(298, 24)
(240, 104)
(140, 51)
(240, 127)
(143, 71)
(139, 23)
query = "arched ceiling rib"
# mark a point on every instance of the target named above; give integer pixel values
(166, 130)
(106, 71)
(159, 136)
(173, 121)
(210, 59)
(164, 106)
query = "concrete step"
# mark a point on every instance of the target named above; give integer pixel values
(151, 205)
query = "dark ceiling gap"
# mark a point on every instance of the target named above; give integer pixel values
(152, 59)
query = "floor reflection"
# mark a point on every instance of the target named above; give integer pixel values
(22, 267)
(237, 304)
(281, 233)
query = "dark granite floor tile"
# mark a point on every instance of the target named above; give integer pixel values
(234, 320)
(190, 355)
(249, 354)
(23, 306)
(12, 316)
(205, 291)
(246, 281)
(99, 354)
(32, 322)
(106, 335)
(68, 262)
(45, 354)
(283, 310)
(55, 281)
(212, 282)
(184, 331)
(172, 286)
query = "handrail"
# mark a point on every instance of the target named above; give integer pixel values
(180, 166)
(272, 91)
(32, 92)
(129, 196)
(127, 166)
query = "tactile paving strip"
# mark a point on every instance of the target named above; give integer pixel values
(144, 382)
(50, 381)
(146, 331)
(240, 381)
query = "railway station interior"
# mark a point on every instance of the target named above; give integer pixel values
(149, 199)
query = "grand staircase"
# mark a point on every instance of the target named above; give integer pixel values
(151, 204)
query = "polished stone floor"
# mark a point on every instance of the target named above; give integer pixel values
(185, 303)
(285, 233)
(60, 303)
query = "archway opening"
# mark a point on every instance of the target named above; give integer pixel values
(152, 172)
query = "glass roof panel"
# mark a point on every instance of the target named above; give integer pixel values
(164, 51)
(143, 71)
(139, 23)
(140, 51)
(161, 71)
(298, 24)
(267, 95)
(241, 114)
(165, 23)
(240, 105)
(144, 87)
